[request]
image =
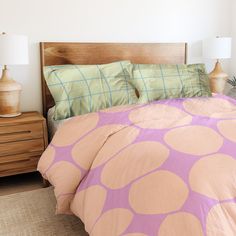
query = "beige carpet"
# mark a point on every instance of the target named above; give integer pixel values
(32, 214)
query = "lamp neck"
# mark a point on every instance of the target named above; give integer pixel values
(5, 76)
(218, 67)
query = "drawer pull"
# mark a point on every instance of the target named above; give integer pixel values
(20, 132)
(20, 147)
(24, 157)
(16, 132)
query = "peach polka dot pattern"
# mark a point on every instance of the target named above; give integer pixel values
(228, 129)
(47, 159)
(154, 154)
(156, 190)
(181, 224)
(121, 139)
(221, 220)
(84, 202)
(118, 219)
(135, 234)
(62, 173)
(210, 107)
(151, 117)
(63, 204)
(83, 155)
(195, 140)
(119, 109)
(167, 168)
(71, 130)
(211, 176)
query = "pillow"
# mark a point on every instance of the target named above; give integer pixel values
(80, 89)
(155, 82)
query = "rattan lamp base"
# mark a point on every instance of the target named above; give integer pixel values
(218, 79)
(9, 96)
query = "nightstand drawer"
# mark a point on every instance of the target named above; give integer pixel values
(18, 164)
(20, 147)
(22, 141)
(19, 157)
(20, 132)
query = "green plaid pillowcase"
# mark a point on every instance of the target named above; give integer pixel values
(155, 82)
(80, 89)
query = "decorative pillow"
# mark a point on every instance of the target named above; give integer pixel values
(155, 82)
(80, 89)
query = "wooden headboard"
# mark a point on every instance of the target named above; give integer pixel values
(99, 53)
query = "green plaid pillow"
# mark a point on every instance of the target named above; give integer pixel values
(80, 89)
(155, 82)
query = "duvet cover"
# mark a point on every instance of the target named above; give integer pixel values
(167, 168)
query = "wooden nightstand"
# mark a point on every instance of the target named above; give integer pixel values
(22, 141)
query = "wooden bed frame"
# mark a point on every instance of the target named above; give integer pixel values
(56, 53)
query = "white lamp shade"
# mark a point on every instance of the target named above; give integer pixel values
(13, 49)
(217, 48)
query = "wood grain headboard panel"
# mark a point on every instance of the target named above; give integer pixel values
(99, 53)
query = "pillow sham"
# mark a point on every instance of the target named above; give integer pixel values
(80, 89)
(155, 82)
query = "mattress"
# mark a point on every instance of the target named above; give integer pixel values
(53, 125)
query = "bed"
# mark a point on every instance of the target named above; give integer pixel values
(56, 53)
(99, 53)
(165, 168)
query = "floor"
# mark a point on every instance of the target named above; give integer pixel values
(20, 183)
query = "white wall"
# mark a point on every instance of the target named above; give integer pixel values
(233, 61)
(109, 21)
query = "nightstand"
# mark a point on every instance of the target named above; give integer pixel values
(22, 141)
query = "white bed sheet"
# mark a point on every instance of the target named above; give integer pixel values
(53, 125)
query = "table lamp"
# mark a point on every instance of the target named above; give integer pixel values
(217, 48)
(13, 51)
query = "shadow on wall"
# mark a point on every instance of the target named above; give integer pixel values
(195, 53)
